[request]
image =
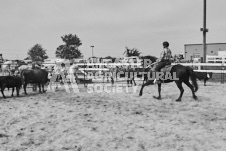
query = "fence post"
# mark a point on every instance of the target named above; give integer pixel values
(222, 73)
(84, 74)
(199, 67)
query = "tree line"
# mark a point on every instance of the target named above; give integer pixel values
(69, 50)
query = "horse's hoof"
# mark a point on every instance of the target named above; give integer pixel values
(195, 97)
(158, 98)
(178, 100)
(140, 94)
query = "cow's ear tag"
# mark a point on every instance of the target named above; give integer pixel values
(208, 75)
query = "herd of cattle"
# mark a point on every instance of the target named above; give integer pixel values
(34, 76)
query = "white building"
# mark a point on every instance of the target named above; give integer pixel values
(220, 58)
(192, 51)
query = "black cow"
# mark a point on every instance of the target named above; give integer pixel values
(204, 76)
(35, 76)
(10, 82)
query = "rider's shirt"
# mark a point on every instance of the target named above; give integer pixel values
(166, 55)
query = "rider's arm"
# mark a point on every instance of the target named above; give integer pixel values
(162, 55)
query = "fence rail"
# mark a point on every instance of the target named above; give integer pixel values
(105, 66)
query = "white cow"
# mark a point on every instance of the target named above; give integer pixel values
(5, 67)
(73, 69)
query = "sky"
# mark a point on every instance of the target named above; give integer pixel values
(109, 25)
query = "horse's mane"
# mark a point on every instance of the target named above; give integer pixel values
(152, 58)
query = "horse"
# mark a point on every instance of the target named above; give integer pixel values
(182, 73)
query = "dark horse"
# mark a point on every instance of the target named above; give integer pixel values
(183, 74)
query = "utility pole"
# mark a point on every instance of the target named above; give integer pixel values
(204, 30)
(92, 50)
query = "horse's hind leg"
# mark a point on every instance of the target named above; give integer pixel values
(179, 85)
(192, 89)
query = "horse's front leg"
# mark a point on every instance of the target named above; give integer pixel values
(159, 91)
(145, 84)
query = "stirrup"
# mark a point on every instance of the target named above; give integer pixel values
(155, 81)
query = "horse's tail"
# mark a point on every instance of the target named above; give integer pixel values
(193, 77)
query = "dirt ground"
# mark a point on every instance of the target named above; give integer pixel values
(57, 121)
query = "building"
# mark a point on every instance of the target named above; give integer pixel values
(195, 51)
(93, 60)
(220, 58)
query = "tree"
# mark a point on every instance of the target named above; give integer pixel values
(70, 49)
(112, 58)
(37, 53)
(132, 52)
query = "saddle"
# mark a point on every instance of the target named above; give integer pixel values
(167, 68)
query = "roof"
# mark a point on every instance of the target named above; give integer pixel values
(206, 44)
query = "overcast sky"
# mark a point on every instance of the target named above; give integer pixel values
(109, 25)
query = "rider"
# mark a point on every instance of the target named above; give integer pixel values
(165, 58)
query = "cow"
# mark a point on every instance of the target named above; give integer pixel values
(10, 82)
(204, 76)
(35, 76)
